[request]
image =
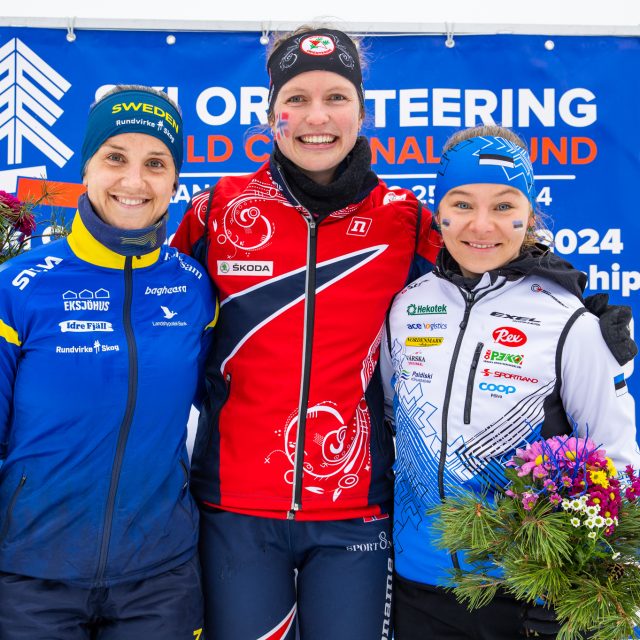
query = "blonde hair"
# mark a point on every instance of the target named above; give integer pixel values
(493, 130)
(280, 38)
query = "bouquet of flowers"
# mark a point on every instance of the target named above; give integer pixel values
(18, 224)
(565, 532)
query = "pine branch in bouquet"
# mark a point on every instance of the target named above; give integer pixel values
(468, 522)
(564, 532)
(18, 222)
(477, 589)
(605, 607)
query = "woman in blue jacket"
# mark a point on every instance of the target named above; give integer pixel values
(102, 335)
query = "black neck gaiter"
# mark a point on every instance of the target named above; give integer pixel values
(126, 242)
(353, 181)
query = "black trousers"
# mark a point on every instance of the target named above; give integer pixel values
(423, 612)
(164, 607)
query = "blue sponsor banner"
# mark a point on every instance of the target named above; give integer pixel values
(575, 102)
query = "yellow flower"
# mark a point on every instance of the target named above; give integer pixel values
(599, 478)
(611, 468)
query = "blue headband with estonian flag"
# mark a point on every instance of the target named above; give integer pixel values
(485, 160)
(133, 111)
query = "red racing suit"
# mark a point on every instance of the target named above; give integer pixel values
(293, 422)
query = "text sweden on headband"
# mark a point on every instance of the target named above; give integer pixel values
(134, 111)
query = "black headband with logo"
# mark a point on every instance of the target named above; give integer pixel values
(317, 50)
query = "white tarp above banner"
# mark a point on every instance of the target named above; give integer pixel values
(615, 17)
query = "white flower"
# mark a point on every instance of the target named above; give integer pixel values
(608, 521)
(566, 504)
(575, 522)
(576, 505)
(590, 522)
(592, 510)
(599, 521)
(592, 535)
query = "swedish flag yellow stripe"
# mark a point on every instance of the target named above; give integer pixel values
(9, 334)
(215, 317)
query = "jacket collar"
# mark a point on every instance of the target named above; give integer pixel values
(535, 261)
(87, 248)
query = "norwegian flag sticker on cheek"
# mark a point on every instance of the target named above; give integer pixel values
(282, 126)
(509, 336)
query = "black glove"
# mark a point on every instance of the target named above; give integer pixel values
(614, 326)
(539, 622)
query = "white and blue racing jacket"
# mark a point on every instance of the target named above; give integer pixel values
(99, 365)
(475, 372)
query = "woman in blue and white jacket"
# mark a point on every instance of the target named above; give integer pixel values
(101, 335)
(484, 354)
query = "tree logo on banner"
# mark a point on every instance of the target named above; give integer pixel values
(27, 103)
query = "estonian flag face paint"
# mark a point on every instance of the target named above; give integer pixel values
(620, 385)
(496, 160)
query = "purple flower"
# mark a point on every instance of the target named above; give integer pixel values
(17, 214)
(534, 459)
(10, 202)
(25, 224)
(573, 452)
(529, 500)
(566, 481)
(632, 492)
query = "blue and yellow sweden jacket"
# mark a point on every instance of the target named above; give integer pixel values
(99, 365)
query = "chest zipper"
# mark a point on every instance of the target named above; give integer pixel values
(470, 381)
(125, 425)
(307, 350)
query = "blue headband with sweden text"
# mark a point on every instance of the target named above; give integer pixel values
(485, 160)
(133, 111)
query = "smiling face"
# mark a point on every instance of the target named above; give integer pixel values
(130, 180)
(484, 225)
(317, 120)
